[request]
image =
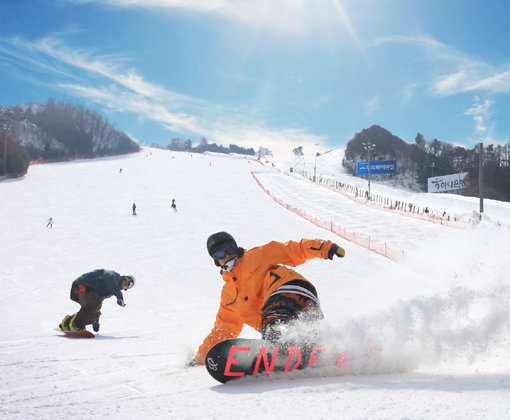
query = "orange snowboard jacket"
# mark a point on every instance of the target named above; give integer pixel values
(257, 274)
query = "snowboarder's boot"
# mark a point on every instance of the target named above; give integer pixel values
(69, 324)
(274, 331)
(95, 325)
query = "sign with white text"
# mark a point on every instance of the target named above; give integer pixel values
(378, 167)
(447, 182)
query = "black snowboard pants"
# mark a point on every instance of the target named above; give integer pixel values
(283, 307)
(90, 308)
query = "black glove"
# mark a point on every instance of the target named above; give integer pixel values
(120, 302)
(336, 250)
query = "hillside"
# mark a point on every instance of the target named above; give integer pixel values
(56, 131)
(423, 159)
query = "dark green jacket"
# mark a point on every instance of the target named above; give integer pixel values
(105, 283)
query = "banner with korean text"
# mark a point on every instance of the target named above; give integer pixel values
(447, 182)
(378, 167)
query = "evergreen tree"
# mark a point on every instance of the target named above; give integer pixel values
(420, 141)
(15, 160)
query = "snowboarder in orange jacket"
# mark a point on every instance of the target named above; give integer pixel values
(260, 290)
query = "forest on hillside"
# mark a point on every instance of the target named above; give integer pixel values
(55, 131)
(424, 159)
(185, 145)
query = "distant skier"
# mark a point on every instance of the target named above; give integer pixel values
(89, 290)
(49, 224)
(260, 290)
(174, 206)
(134, 209)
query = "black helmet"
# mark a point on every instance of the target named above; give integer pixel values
(219, 244)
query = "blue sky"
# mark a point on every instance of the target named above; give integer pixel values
(272, 73)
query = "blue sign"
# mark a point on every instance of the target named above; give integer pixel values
(378, 167)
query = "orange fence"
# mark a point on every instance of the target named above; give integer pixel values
(364, 241)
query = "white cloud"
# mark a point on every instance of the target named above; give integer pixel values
(221, 130)
(110, 67)
(449, 84)
(105, 81)
(486, 80)
(480, 111)
(499, 82)
(421, 40)
(455, 71)
(108, 80)
(289, 17)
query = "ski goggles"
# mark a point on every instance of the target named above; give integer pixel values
(224, 249)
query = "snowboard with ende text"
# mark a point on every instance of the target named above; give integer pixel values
(240, 357)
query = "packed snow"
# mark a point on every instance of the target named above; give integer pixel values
(439, 318)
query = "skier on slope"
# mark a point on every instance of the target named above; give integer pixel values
(260, 290)
(89, 290)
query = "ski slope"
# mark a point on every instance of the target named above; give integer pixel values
(323, 203)
(440, 318)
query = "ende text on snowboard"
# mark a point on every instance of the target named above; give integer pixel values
(293, 359)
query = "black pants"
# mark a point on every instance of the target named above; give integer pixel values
(90, 304)
(282, 308)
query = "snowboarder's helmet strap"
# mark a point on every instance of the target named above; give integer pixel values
(220, 244)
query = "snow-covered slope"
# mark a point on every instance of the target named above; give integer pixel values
(440, 318)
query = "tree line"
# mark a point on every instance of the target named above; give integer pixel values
(55, 130)
(181, 145)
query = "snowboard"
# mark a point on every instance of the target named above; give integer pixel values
(76, 334)
(241, 357)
